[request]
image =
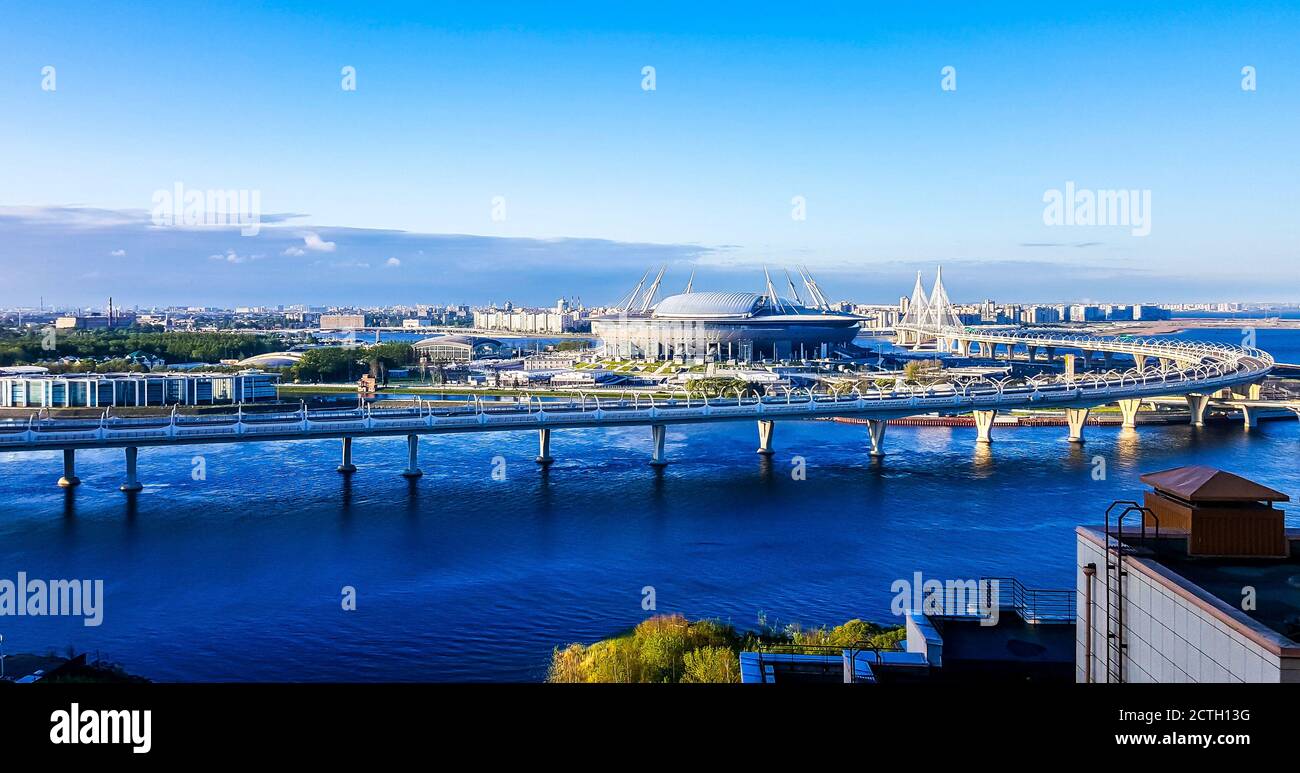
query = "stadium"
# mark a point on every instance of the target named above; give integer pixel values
(725, 326)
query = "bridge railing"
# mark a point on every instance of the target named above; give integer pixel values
(1205, 366)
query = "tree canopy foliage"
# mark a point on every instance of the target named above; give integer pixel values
(35, 346)
(348, 363)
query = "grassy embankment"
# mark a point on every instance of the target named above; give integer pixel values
(669, 648)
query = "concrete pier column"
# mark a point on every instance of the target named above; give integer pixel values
(1071, 369)
(1130, 409)
(765, 437)
(544, 447)
(412, 457)
(1108, 357)
(1031, 353)
(1164, 364)
(1256, 390)
(346, 466)
(1197, 404)
(657, 434)
(1140, 362)
(1051, 353)
(1250, 416)
(69, 478)
(132, 479)
(876, 428)
(1076, 418)
(984, 425)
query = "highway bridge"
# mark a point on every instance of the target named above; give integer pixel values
(1159, 368)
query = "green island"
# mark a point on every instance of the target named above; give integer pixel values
(672, 649)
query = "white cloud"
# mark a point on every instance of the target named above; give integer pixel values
(118, 253)
(230, 256)
(392, 263)
(314, 243)
(311, 242)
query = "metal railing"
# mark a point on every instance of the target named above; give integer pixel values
(1216, 366)
(1032, 604)
(831, 657)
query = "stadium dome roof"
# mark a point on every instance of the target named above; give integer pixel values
(708, 304)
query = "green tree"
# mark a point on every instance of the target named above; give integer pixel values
(329, 363)
(711, 665)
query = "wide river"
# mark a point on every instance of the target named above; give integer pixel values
(467, 575)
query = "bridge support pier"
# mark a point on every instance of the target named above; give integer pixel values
(765, 437)
(132, 479)
(876, 428)
(1251, 391)
(1129, 408)
(1076, 418)
(657, 434)
(346, 466)
(1051, 353)
(1250, 416)
(1197, 404)
(984, 426)
(412, 470)
(1140, 362)
(544, 447)
(69, 478)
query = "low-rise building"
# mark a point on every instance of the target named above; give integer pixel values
(342, 321)
(458, 348)
(102, 390)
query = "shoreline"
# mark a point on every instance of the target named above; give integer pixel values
(1182, 325)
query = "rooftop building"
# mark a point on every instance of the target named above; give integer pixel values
(1199, 583)
(991, 630)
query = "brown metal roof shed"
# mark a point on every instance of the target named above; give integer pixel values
(1198, 483)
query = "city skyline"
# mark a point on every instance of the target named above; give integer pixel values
(541, 158)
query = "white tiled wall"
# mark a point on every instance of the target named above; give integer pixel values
(1169, 638)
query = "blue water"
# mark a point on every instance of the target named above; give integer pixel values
(463, 577)
(1284, 345)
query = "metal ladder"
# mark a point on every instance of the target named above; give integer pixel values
(1116, 549)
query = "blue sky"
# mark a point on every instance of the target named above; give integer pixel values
(543, 106)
